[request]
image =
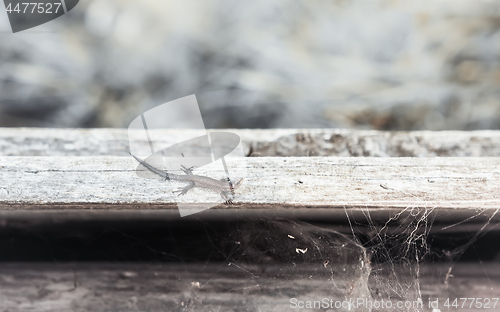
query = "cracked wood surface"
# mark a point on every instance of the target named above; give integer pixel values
(87, 172)
(289, 183)
(262, 142)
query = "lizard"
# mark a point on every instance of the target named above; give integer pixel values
(223, 186)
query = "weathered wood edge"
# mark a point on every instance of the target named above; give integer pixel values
(59, 214)
(262, 142)
(324, 187)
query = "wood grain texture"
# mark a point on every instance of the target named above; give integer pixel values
(214, 287)
(270, 182)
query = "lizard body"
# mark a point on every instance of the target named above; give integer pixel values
(223, 186)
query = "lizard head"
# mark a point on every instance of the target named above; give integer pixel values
(236, 182)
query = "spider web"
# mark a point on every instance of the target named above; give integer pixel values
(369, 265)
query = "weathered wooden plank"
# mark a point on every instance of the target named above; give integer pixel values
(216, 287)
(110, 183)
(272, 142)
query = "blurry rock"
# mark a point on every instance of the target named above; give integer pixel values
(386, 65)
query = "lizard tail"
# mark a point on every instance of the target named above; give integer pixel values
(151, 168)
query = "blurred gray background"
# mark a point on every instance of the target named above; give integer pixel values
(388, 65)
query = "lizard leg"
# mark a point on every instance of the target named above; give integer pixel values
(184, 190)
(225, 196)
(228, 181)
(188, 171)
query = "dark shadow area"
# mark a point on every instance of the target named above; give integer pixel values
(194, 241)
